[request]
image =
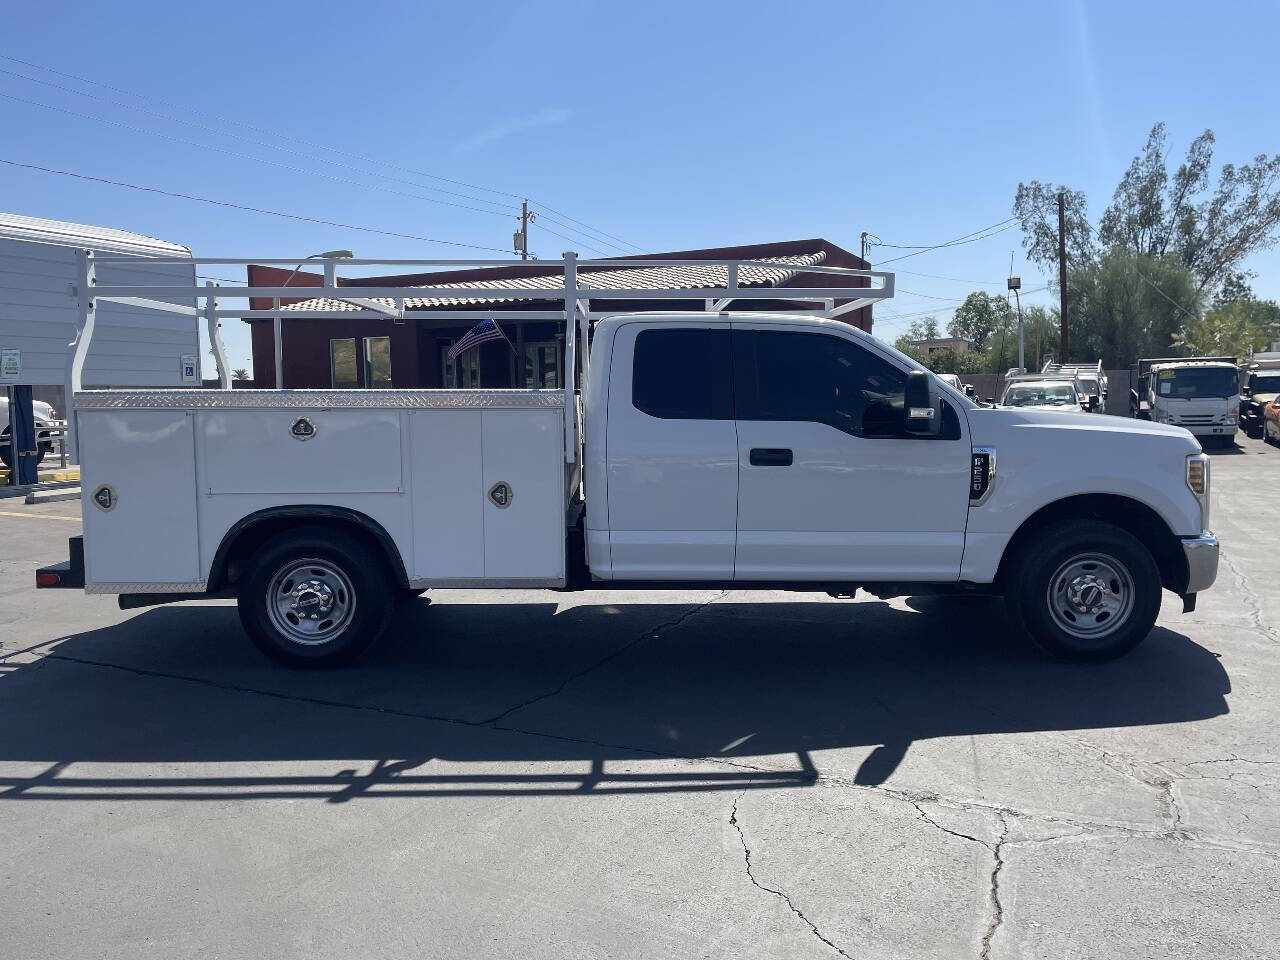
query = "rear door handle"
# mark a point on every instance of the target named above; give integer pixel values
(770, 457)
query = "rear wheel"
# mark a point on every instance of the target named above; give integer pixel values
(1084, 591)
(315, 598)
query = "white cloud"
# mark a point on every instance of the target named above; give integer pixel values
(547, 117)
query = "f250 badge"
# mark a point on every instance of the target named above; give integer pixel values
(303, 429)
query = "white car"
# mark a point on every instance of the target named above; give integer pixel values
(44, 417)
(1042, 395)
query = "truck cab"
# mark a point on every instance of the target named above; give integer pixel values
(1202, 396)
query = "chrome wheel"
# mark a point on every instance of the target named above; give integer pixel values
(1091, 596)
(310, 602)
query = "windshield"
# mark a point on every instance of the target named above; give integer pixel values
(1267, 384)
(1193, 383)
(1040, 394)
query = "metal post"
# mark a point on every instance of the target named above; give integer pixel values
(1022, 362)
(78, 348)
(1062, 272)
(215, 338)
(277, 337)
(570, 354)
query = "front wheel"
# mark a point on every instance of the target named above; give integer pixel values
(315, 598)
(1084, 591)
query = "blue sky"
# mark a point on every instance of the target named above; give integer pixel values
(669, 125)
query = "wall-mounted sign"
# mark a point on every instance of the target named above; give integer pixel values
(190, 371)
(10, 365)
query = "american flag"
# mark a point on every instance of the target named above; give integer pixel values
(482, 332)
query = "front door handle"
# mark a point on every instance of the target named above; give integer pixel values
(770, 457)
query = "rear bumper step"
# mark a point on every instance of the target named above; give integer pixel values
(67, 575)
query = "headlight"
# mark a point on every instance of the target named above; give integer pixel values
(1230, 421)
(1198, 483)
(1198, 474)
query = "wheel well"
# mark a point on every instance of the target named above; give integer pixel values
(1130, 515)
(231, 561)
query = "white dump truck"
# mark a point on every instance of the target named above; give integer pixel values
(721, 448)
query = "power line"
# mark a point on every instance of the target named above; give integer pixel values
(974, 237)
(244, 156)
(245, 207)
(541, 226)
(276, 138)
(565, 216)
(934, 276)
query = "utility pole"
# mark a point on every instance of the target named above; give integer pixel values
(864, 245)
(520, 241)
(1062, 273)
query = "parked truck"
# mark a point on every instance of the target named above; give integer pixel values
(686, 450)
(1261, 374)
(1201, 394)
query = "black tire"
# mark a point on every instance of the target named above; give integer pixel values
(315, 597)
(1093, 563)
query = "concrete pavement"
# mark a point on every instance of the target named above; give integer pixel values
(643, 775)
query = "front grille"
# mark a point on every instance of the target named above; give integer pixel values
(1198, 419)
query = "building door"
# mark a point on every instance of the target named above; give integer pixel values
(461, 372)
(672, 458)
(542, 365)
(830, 486)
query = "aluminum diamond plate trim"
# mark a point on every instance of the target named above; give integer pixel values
(319, 399)
(184, 586)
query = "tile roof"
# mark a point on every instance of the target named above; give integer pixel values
(692, 277)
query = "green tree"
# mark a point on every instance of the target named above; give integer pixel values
(1236, 328)
(1128, 305)
(979, 315)
(239, 373)
(1159, 215)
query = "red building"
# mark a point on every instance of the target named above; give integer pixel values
(364, 352)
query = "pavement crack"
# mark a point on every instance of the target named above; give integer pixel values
(1252, 602)
(650, 634)
(993, 893)
(934, 823)
(780, 894)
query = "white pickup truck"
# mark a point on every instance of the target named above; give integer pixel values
(735, 449)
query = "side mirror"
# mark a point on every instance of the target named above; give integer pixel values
(922, 408)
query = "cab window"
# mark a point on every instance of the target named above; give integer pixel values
(683, 374)
(820, 378)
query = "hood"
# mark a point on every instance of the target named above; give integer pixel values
(1098, 425)
(1262, 399)
(1048, 407)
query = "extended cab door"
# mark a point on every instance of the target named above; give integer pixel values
(672, 457)
(830, 486)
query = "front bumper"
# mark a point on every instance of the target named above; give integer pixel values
(1202, 561)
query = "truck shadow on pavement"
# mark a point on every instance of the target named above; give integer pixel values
(528, 698)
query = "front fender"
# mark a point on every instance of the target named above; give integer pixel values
(1040, 462)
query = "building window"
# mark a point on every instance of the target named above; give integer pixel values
(683, 374)
(377, 362)
(463, 371)
(342, 364)
(542, 365)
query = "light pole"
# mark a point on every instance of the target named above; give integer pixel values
(1015, 284)
(278, 334)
